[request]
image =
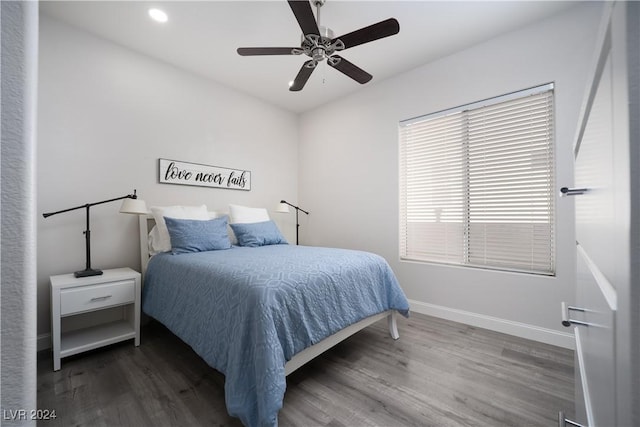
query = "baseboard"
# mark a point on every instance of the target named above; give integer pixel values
(44, 341)
(523, 330)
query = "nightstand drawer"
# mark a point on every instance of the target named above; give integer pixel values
(87, 298)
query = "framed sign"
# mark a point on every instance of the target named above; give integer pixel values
(184, 173)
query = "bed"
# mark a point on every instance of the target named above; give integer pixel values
(257, 313)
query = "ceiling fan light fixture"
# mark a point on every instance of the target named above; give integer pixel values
(318, 54)
(158, 15)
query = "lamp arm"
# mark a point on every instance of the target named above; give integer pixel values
(88, 205)
(293, 206)
(88, 271)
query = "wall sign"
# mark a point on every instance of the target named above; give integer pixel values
(183, 173)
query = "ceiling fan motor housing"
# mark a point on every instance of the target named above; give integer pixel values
(320, 47)
(326, 32)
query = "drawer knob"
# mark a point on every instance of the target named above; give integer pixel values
(102, 298)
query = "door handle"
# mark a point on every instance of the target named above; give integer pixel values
(565, 191)
(567, 320)
(563, 421)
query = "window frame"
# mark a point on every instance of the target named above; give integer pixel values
(549, 194)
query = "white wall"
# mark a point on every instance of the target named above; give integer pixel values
(349, 170)
(19, 46)
(106, 114)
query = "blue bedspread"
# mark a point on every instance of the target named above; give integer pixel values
(247, 311)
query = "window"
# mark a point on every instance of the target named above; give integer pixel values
(476, 184)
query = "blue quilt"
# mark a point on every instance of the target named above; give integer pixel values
(247, 311)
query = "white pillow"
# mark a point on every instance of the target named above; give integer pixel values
(159, 240)
(245, 215)
(217, 214)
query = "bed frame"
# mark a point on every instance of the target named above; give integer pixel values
(309, 353)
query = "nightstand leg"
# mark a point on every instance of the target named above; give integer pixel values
(56, 363)
(55, 328)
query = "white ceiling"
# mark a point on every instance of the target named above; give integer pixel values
(202, 36)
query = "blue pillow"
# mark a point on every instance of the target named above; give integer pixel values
(192, 235)
(258, 234)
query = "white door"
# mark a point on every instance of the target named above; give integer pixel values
(605, 312)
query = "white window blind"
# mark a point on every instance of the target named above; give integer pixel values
(476, 184)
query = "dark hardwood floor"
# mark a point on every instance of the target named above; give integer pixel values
(439, 373)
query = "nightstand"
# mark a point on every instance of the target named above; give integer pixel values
(91, 312)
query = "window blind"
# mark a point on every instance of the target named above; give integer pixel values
(476, 184)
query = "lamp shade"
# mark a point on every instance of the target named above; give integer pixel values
(133, 206)
(282, 208)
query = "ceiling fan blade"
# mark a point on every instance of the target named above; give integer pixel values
(304, 14)
(251, 51)
(373, 32)
(350, 70)
(302, 77)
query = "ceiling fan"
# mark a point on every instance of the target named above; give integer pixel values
(318, 43)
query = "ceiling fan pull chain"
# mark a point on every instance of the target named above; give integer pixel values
(324, 72)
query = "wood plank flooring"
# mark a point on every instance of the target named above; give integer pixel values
(439, 373)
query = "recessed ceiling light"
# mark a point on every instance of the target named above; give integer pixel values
(290, 83)
(158, 15)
